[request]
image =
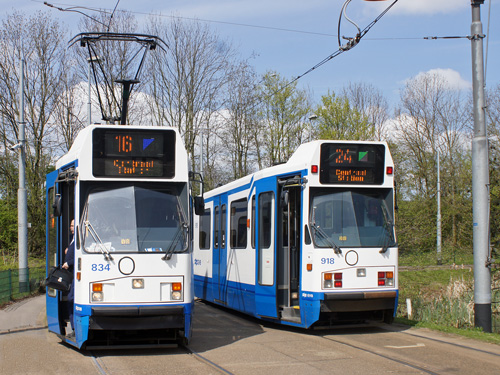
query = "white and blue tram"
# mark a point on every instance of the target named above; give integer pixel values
(307, 243)
(127, 189)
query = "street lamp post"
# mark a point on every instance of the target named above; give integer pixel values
(311, 119)
(22, 200)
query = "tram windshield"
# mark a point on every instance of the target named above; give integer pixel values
(353, 218)
(134, 219)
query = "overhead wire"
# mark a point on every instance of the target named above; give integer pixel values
(306, 32)
(112, 14)
(352, 41)
(351, 44)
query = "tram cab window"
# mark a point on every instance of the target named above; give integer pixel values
(361, 218)
(131, 219)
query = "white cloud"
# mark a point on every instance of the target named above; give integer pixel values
(452, 77)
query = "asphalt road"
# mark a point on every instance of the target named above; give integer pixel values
(228, 343)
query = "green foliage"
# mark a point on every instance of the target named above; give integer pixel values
(416, 226)
(338, 120)
(282, 114)
(8, 232)
(495, 197)
(443, 297)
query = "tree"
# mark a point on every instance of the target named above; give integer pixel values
(493, 118)
(431, 119)
(185, 83)
(41, 41)
(282, 117)
(371, 103)
(239, 126)
(338, 120)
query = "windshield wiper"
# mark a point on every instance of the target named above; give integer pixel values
(97, 240)
(178, 235)
(388, 228)
(325, 236)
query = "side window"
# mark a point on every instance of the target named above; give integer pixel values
(253, 222)
(216, 227)
(223, 225)
(265, 219)
(266, 238)
(204, 233)
(238, 224)
(52, 229)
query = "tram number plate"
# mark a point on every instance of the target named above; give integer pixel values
(327, 260)
(100, 267)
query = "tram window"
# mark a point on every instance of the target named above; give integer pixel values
(266, 250)
(52, 256)
(238, 224)
(216, 227)
(253, 222)
(223, 226)
(204, 232)
(265, 219)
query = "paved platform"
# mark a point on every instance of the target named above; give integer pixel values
(28, 313)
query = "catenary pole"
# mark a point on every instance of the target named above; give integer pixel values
(22, 205)
(438, 221)
(480, 179)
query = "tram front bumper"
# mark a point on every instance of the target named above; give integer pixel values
(136, 317)
(359, 301)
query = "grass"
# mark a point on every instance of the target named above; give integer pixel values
(12, 264)
(442, 297)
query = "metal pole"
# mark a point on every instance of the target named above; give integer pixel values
(439, 261)
(201, 158)
(480, 179)
(89, 104)
(22, 206)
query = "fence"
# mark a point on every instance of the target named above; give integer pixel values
(10, 289)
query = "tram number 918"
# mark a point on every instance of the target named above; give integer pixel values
(327, 260)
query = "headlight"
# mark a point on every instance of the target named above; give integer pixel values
(97, 296)
(176, 293)
(137, 283)
(176, 296)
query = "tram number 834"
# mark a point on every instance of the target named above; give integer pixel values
(100, 267)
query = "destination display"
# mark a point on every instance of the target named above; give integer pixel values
(133, 153)
(352, 164)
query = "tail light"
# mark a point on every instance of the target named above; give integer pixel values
(338, 279)
(386, 278)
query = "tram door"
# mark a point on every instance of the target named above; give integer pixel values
(60, 212)
(219, 260)
(288, 247)
(265, 286)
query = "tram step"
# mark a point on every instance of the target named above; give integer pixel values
(291, 314)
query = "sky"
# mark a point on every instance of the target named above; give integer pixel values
(291, 36)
